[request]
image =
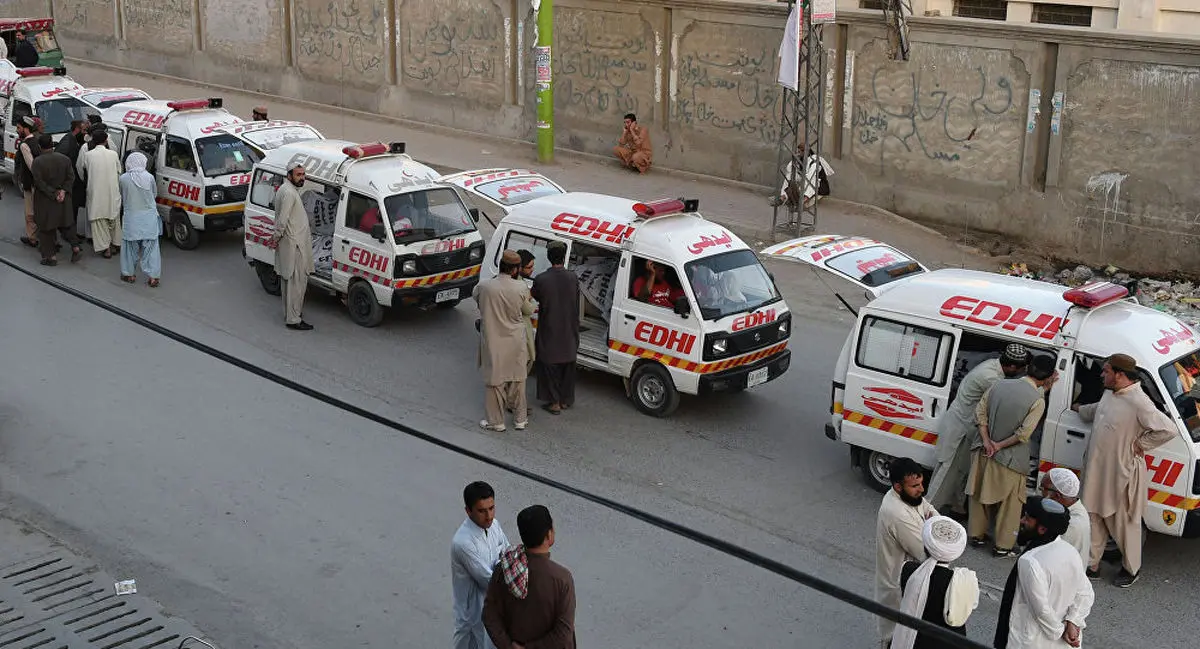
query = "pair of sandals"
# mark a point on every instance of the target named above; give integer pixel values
(76, 255)
(130, 279)
(554, 408)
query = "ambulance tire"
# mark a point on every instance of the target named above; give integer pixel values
(652, 390)
(182, 233)
(874, 466)
(269, 279)
(364, 309)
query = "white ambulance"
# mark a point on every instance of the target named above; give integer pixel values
(924, 330)
(385, 231)
(37, 92)
(198, 157)
(497, 191)
(712, 320)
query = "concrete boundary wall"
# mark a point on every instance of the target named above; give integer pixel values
(1070, 138)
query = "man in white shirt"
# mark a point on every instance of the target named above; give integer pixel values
(473, 554)
(1062, 485)
(1048, 596)
(898, 535)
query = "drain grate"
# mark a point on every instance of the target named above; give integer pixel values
(58, 601)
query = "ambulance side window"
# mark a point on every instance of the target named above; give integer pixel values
(362, 213)
(262, 192)
(660, 294)
(905, 350)
(21, 109)
(179, 154)
(536, 245)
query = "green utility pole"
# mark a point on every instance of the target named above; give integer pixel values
(544, 80)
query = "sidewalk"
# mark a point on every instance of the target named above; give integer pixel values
(740, 207)
(51, 597)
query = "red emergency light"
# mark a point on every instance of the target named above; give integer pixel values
(194, 104)
(41, 71)
(665, 206)
(373, 149)
(1095, 294)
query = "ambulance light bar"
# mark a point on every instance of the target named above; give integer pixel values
(373, 149)
(666, 206)
(195, 104)
(41, 71)
(1095, 294)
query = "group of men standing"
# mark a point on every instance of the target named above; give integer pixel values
(508, 596)
(506, 312)
(983, 453)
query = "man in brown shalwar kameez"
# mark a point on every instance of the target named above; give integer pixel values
(557, 293)
(530, 601)
(1125, 424)
(634, 148)
(504, 303)
(53, 180)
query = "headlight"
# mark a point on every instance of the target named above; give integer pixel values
(217, 195)
(720, 345)
(409, 267)
(476, 253)
(783, 328)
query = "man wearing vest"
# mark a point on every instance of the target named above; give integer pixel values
(27, 150)
(1008, 414)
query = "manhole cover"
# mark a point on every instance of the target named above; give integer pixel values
(57, 601)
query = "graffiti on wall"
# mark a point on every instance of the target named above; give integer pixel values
(340, 36)
(603, 64)
(950, 113)
(158, 24)
(454, 47)
(250, 30)
(93, 18)
(730, 91)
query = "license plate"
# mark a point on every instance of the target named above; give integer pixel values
(446, 295)
(758, 377)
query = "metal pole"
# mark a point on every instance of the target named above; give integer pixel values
(544, 81)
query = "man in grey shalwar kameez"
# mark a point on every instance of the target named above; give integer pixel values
(53, 180)
(557, 293)
(957, 429)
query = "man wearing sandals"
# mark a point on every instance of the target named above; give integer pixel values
(557, 340)
(504, 303)
(53, 180)
(100, 166)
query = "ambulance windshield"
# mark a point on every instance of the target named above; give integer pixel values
(427, 214)
(875, 265)
(729, 283)
(109, 99)
(273, 138)
(221, 155)
(57, 114)
(514, 191)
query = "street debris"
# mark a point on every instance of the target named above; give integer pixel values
(127, 587)
(1180, 299)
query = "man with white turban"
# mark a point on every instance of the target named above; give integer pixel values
(935, 592)
(1062, 485)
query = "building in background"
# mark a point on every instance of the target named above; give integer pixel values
(1163, 16)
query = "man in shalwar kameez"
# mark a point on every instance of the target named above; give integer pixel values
(1047, 596)
(634, 149)
(957, 429)
(473, 555)
(100, 167)
(898, 535)
(1125, 424)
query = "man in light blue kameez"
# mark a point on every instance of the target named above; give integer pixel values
(473, 554)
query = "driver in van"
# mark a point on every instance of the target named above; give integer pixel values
(654, 288)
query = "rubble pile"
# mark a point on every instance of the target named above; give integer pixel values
(1180, 299)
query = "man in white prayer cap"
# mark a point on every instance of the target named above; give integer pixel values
(934, 591)
(1062, 485)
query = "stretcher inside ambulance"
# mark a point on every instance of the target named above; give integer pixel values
(385, 231)
(923, 330)
(37, 92)
(199, 158)
(672, 303)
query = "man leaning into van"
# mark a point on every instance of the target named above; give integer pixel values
(1007, 415)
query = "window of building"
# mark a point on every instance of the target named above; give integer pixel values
(985, 9)
(1051, 14)
(905, 350)
(877, 5)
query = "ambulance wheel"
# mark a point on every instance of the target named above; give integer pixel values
(269, 279)
(185, 236)
(876, 468)
(363, 307)
(653, 391)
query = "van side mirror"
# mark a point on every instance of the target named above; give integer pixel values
(474, 212)
(379, 232)
(682, 307)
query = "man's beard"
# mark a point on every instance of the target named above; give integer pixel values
(1031, 537)
(915, 502)
(294, 183)
(79, 138)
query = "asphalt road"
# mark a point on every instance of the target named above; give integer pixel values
(272, 520)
